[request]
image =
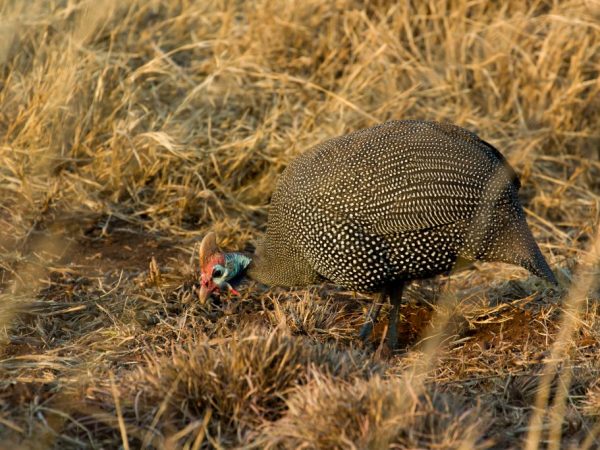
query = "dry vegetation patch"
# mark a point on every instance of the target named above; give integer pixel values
(129, 129)
(332, 413)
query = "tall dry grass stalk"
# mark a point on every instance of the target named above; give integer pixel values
(587, 278)
(128, 129)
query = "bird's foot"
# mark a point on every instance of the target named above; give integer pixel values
(367, 328)
(366, 331)
(392, 338)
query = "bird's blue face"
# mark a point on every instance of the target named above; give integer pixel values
(221, 272)
(219, 275)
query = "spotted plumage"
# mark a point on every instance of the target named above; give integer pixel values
(385, 205)
(401, 200)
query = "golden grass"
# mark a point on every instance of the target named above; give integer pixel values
(129, 129)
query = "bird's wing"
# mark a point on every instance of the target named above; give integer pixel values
(436, 175)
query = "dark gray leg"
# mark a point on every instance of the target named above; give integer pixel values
(395, 300)
(367, 328)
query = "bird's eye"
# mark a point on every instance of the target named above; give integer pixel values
(217, 272)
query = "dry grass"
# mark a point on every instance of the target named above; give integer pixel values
(129, 129)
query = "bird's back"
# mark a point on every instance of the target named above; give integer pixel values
(400, 200)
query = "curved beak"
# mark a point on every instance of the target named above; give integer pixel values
(204, 293)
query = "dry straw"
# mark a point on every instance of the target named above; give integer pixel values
(129, 129)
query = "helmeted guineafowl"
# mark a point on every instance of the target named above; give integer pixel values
(379, 207)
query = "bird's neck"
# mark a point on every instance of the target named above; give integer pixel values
(259, 268)
(280, 267)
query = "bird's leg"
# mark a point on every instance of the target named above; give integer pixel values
(395, 300)
(367, 328)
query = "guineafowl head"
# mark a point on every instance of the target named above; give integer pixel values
(220, 271)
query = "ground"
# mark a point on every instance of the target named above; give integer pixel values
(128, 130)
